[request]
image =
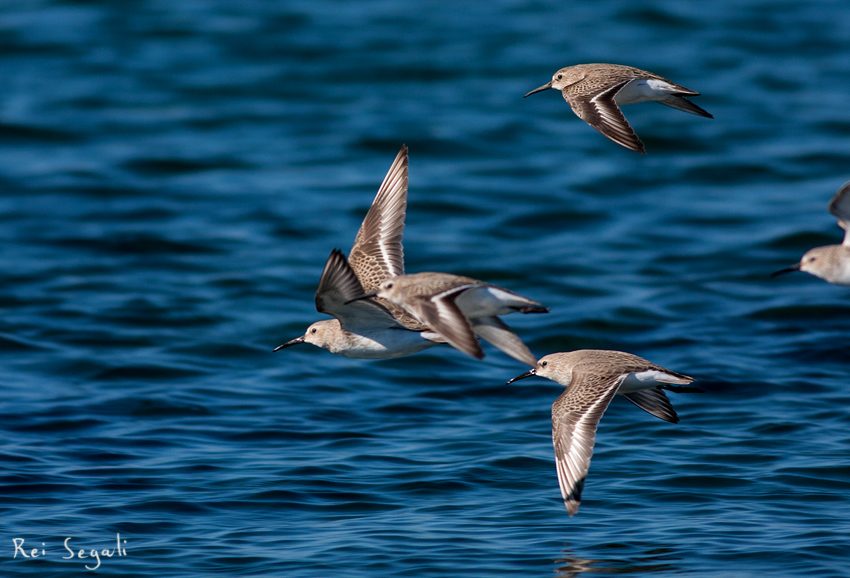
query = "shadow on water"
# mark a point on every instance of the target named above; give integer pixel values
(653, 561)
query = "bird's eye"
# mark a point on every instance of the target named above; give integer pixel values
(389, 285)
(314, 330)
(544, 363)
(560, 76)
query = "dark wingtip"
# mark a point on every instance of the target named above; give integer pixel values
(534, 309)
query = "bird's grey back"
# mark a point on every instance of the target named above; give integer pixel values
(429, 283)
(587, 80)
(606, 363)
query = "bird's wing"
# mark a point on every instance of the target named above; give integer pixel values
(377, 253)
(840, 207)
(603, 114)
(653, 402)
(340, 284)
(497, 333)
(442, 315)
(575, 416)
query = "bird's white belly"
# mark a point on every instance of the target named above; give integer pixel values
(384, 344)
(643, 90)
(643, 380)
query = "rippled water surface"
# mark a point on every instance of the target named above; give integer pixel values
(173, 176)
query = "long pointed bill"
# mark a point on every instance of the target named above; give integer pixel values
(546, 86)
(362, 297)
(528, 373)
(295, 341)
(783, 271)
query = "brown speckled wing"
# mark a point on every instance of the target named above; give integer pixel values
(443, 316)
(377, 253)
(575, 416)
(601, 112)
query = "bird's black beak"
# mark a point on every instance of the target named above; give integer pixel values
(787, 270)
(546, 86)
(295, 341)
(362, 297)
(528, 373)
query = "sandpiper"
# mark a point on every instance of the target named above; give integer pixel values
(461, 308)
(592, 378)
(831, 262)
(596, 91)
(371, 328)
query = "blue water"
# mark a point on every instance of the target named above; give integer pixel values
(174, 174)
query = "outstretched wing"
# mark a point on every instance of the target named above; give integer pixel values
(653, 402)
(497, 333)
(575, 416)
(840, 207)
(442, 315)
(377, 253)
(603, 114)
(338, 285)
